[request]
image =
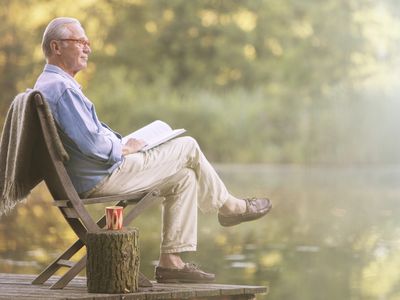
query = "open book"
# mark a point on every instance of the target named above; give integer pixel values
(154, 134)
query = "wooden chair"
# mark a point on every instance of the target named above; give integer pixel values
(73, 208)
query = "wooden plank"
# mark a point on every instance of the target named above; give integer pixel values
(35, 293)
(12, 275)
(13, 286)
(14, 297)
(196, 289)
(58, 294)
(61, 203)
(66, 263)
(205, 290)
(70, 274)
(248, 289)
(133, 198)
(255, 290)
(9, 278)
(40, 289)
(227, 290)
(134, 296)
(70, 212)
(158, 295)
(183, 293)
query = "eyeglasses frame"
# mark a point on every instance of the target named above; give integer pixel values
(81, 42)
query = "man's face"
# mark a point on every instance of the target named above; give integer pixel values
(73, 53)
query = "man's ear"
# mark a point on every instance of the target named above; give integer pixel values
(55, 47)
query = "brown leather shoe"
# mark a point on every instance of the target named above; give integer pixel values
(255, 209)
(190, 273)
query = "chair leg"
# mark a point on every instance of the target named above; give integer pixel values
(150, 199)
(70, 274)
(54, 266)
(144, 281)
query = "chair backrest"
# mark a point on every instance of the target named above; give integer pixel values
(56, 176)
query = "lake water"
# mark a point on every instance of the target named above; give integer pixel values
(334, 233)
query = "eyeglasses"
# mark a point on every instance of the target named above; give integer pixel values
(81, 43)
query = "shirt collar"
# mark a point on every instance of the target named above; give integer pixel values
(54, 69)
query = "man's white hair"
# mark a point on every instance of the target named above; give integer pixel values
(56, 30)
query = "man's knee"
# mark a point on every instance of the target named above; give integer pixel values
(189, 142)
(185, 178)
(180, 181)
(188, 175)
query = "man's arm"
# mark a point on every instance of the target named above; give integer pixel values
(78, 119)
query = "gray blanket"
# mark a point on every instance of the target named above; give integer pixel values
(21, 150)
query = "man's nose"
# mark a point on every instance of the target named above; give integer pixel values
(87, 49)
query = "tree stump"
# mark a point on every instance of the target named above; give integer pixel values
(113, 261)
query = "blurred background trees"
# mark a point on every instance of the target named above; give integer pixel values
(277, 81)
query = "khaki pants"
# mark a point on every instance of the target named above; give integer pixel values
(200, 186)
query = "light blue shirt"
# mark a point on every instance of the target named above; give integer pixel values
(95, 150)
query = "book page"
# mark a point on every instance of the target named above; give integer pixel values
(154, 134)
(149, 132)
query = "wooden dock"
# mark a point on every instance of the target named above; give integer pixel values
(15, 286)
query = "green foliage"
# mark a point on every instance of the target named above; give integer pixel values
(253, 81)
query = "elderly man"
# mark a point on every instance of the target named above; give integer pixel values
(101, 165)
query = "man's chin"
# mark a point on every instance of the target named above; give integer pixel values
(76, 71)
(82, 66)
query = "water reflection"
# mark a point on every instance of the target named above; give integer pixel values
(333, 233)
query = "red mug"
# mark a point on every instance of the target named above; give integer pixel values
(114, 217)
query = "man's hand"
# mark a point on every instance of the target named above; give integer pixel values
(133, 146)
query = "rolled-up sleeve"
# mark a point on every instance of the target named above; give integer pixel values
(77, 118)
